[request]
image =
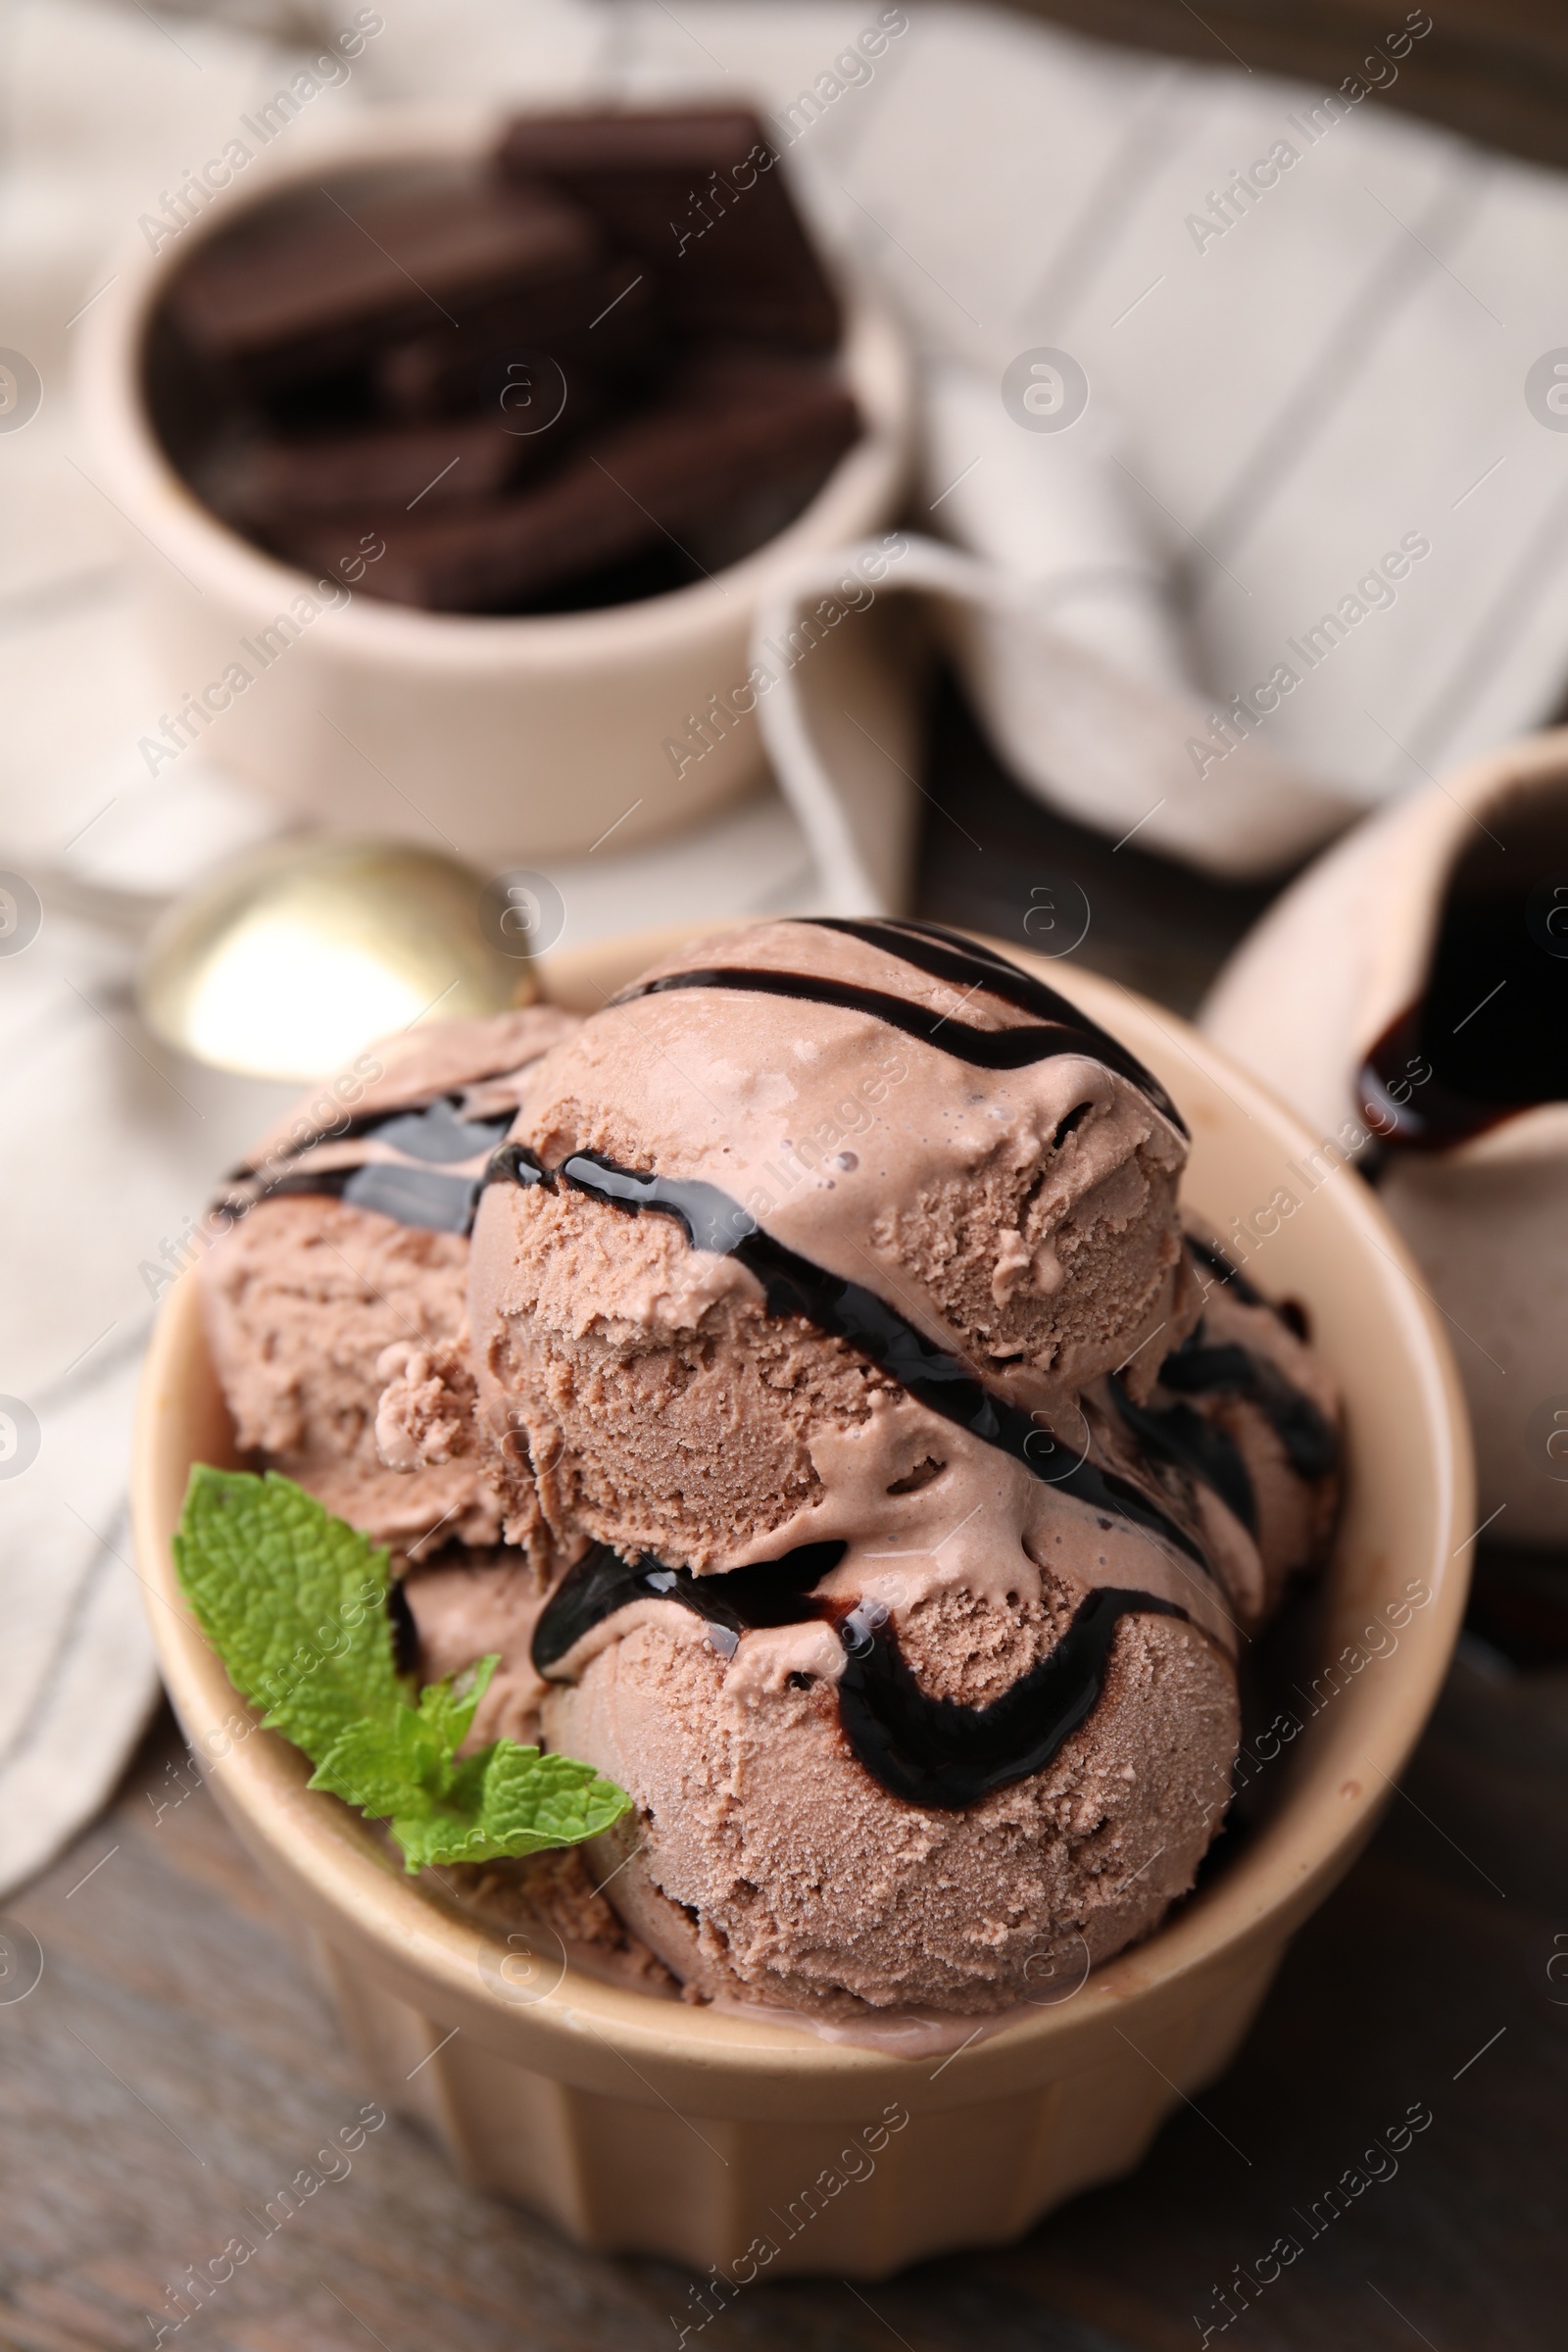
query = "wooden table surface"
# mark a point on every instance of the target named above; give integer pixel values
(178, 2061)
(1495, 70)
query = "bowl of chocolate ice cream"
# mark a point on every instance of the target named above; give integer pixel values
(490, 435)
(905, 1415)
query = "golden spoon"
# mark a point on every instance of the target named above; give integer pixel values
(289, 959)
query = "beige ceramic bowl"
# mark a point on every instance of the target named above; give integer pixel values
(514, 739)
(645, 2126)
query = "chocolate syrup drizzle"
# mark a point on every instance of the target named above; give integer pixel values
(1205, 1449)
(435, 1133)
(846, 1310)
(928, 1751)
(1191, 1442)
(772, 1593)
(934, 1751)
(945, 956)
(1230, 1277)
(1197, 1369)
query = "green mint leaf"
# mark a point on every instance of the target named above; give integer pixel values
(383, 1768)
(504, 1800)
(387, 1767)
(293, 1600)
(511, 1800)
(448, 1708)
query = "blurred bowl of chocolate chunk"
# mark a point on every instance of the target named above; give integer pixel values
(459, 455)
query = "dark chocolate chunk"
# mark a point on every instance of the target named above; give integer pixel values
(700, 198)
(276, 482)
(661, 474)
(315, 282)
(601, 326)
(577, 372)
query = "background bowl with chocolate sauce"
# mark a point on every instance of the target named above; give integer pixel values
(1414, 983)
(640, 2125)
(460, 451)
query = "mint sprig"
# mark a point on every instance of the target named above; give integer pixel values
(294, 1602)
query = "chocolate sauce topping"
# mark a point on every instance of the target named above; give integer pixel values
(1487, 1037)
(982, 1048)
(948, 955)
(933, 1752)
(1181, 1435)
(948, 958)
(1231, 1276)
(428, 1195)
(429, 1118)
(437, 1133)
(792, 1285)
(774, 1593)
(418, 1195)
(928, 1751)
(1195, 1369)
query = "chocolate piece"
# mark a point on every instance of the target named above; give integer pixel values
(653, 477)
(315, 283)
(601, 326)
(577, 372)
(698, 197)
(275, 483)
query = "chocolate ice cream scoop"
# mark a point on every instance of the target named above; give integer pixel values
(829, 1279)
(337, 1293)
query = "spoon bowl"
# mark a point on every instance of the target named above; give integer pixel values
(288, 958)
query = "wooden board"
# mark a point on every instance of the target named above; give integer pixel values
(1496, 70)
